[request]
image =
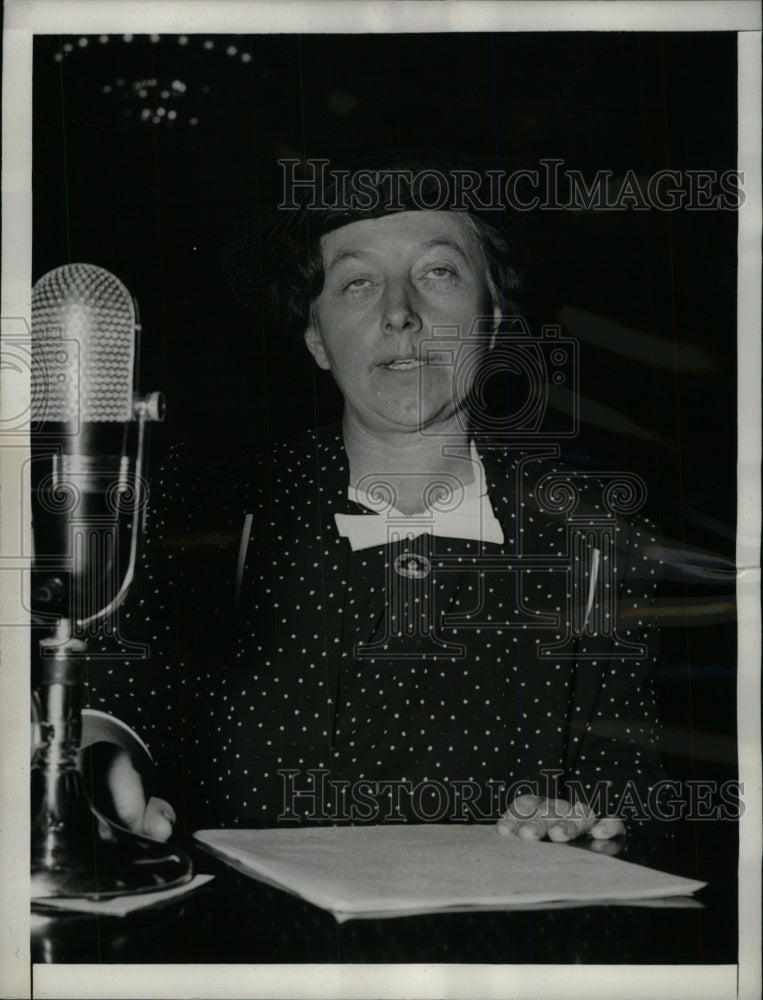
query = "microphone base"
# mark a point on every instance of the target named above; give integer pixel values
(101, 860)
(75, 851)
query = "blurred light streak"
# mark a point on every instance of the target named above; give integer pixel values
(635, 344)
(601, 415)
(681, 611)
(682, 561)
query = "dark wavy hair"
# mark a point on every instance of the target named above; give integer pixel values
(275, 265)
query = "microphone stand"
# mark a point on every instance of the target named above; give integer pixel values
(74, 850)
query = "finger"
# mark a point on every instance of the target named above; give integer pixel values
(563, 831)
(158, 819)
(525, 818)
(126, 788)
(525, 807)
(532, 816)
(605, 829)
(573, 826)
(163, 806)
(610, 847)
(507, 826)
(533, 829)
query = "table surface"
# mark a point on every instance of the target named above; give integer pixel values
(236, 919)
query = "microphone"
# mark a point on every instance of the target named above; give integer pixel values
(87, 443)
(88, 452)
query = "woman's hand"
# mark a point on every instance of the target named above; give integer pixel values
(533, 817)
(119, 794)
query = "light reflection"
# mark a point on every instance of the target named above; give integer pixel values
(129, 90)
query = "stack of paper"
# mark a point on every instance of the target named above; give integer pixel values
(355, 871)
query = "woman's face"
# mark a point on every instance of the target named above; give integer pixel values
(397, 318)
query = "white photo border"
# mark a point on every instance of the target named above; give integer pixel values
(23, 20)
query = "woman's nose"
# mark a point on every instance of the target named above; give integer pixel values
(400, 311)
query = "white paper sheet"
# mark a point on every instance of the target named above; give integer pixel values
(424, 868)
(120, 906)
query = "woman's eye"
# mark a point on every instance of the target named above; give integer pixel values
(356, 284)
(440, 272)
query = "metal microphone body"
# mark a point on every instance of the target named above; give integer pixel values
(87, 437)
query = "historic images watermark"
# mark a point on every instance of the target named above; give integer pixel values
(313, 795)
(549, 186)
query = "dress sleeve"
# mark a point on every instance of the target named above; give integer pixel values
(614, 727)
(148, 668)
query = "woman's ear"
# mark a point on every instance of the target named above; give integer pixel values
(315, 347)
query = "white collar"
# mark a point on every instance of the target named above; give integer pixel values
(465, 513)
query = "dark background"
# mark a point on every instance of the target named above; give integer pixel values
(151, 187)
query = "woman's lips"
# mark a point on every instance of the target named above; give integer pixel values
(402, 364)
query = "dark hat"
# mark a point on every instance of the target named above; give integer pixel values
(274, 264)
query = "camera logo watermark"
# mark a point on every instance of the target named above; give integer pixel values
(506, 382)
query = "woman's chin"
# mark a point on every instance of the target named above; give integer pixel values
(412, 418)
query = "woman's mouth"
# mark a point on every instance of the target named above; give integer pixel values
(402, 364)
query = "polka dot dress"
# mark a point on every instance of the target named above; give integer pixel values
(332, 687)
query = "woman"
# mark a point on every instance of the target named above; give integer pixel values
(416, 639)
